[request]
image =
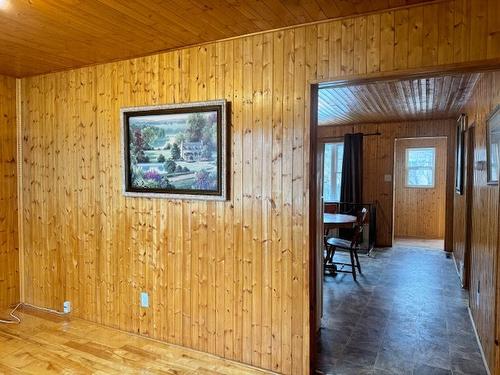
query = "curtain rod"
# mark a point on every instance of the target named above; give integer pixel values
(367, 134)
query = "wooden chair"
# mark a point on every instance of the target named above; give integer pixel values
(333, 243)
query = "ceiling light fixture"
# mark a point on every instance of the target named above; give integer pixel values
(4, 4)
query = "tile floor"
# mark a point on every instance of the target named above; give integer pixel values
(406, 315)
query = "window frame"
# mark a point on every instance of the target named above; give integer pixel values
(407, 168)
(334, 161)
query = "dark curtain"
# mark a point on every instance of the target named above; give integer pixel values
(351, 188)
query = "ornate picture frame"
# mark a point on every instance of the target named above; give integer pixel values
(177, 151)
(460, 155)
(493, 146)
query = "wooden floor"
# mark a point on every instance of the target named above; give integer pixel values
(47, 344)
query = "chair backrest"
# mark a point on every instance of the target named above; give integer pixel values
(330, 208)
(358, 228)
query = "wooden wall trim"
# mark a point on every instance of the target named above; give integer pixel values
(489, 65)
(9, 266)
(313, 189)
(479, 343)
(20, 205)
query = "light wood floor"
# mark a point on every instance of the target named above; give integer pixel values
(47, 344)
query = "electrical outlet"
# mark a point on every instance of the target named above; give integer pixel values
(144, 299)
(67, 307)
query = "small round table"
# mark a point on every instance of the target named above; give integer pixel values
(331, 221)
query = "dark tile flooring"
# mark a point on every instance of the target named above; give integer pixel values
(406, 315)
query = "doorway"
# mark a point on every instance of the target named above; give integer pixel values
(363, 319)
(420, 192)
(329, 161)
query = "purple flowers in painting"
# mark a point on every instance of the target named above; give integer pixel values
(153, 175)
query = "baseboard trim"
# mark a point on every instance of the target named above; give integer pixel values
(456, 269)
(479, 341)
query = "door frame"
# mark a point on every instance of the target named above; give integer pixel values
(480, 66)
(448, 231)
(320, 152)
(469, 185)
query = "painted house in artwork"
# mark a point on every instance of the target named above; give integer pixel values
(191, 151)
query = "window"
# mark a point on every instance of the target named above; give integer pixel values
(420, 167)
(332, 172)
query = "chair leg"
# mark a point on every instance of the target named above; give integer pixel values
(353, 265)
(357, 260)
(330, 252)
(325, 259)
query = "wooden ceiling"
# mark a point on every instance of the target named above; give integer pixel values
(38, 36)
(385, 101)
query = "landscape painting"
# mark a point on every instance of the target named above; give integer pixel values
(176, 151)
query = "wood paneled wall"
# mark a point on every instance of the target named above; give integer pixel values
(484, 241)
(378, 158)
(9, 266)
(230, 278)
(411, 205)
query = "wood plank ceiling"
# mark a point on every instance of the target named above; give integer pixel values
(385, 101)
(39, 36)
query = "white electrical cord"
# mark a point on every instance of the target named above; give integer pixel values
(44, 309)
(15, 320)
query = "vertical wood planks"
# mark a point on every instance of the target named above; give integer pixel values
(9, 259)
(360, 36)
(485, 225)
(373, 43)
(387, 41)
(415, 36)
(277, 198)
(401, 35)
(230, 278)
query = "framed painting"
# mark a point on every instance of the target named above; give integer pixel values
(459, 157)
(176, 151)
(493, 145)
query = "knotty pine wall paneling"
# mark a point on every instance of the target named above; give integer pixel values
(412, 205)
(9, 249)
(236, 271)
(484, 241)
(378, 159)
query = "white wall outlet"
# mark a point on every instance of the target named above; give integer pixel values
(144, 299)
(67, 307)
(387, 177)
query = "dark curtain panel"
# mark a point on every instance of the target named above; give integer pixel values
(351, 188)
